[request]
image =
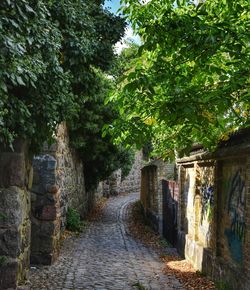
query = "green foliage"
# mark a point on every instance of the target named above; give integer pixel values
(126, 161)
(73, 220)
(124, 61)
(34, 89)
(223, 285)
(3, 217)
(139, 286)
(2, 260)
(190, 79)
(200, 273)
(53, 56)
(164, 243)
(47, 52)
(101, 157)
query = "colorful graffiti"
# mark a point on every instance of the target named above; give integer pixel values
(235, 207)
(236, 193)
(207, 201)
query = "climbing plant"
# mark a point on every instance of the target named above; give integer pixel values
(34, 89)
(101, 157)
(53, 58)
(190, 81)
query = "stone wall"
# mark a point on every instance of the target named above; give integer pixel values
(15, 181)
(132, 182)
(46, 211)
(69, 174)
(115, 184)
(58, 184)
(196, 208)
(214, 213)
(152, 190)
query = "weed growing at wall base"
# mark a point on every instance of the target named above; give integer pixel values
(223, 285)
(139, 286)
(73, 220)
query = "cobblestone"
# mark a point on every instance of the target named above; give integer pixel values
(105, 257)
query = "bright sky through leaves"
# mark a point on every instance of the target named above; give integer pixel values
(113, 6)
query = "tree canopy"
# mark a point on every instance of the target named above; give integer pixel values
(190, 79)
(53, 57)
(47, 54)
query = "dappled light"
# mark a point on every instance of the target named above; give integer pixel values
(124, 145)
(186, 273)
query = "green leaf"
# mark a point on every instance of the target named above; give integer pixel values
(3, 87)
(20, 81)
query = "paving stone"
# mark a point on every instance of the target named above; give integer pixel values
(105, 257)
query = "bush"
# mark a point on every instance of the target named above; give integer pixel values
(73, 220)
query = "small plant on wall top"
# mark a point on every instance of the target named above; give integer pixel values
(73, 220)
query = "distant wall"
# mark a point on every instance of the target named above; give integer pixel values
(132, 182)
(115, 184)
(152, 191)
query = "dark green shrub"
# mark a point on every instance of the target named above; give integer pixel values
(73, 220)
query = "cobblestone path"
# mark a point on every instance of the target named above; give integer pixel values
(105, 257)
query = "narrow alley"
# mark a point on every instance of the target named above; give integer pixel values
(105, 257)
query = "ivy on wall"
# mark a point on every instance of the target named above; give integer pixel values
(53, 57)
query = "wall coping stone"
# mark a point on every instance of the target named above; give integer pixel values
(227, 153)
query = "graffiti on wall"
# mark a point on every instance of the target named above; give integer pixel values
(235, 207)
(207, 201)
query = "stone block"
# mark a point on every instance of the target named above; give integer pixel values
(46, 213)
(8, 275)
(10, 242)
(44, 167)
(52, 189)
(41, 259)
(12, 169)
(41, 246)
(44, 207)
(11, 205)
(42, 238)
